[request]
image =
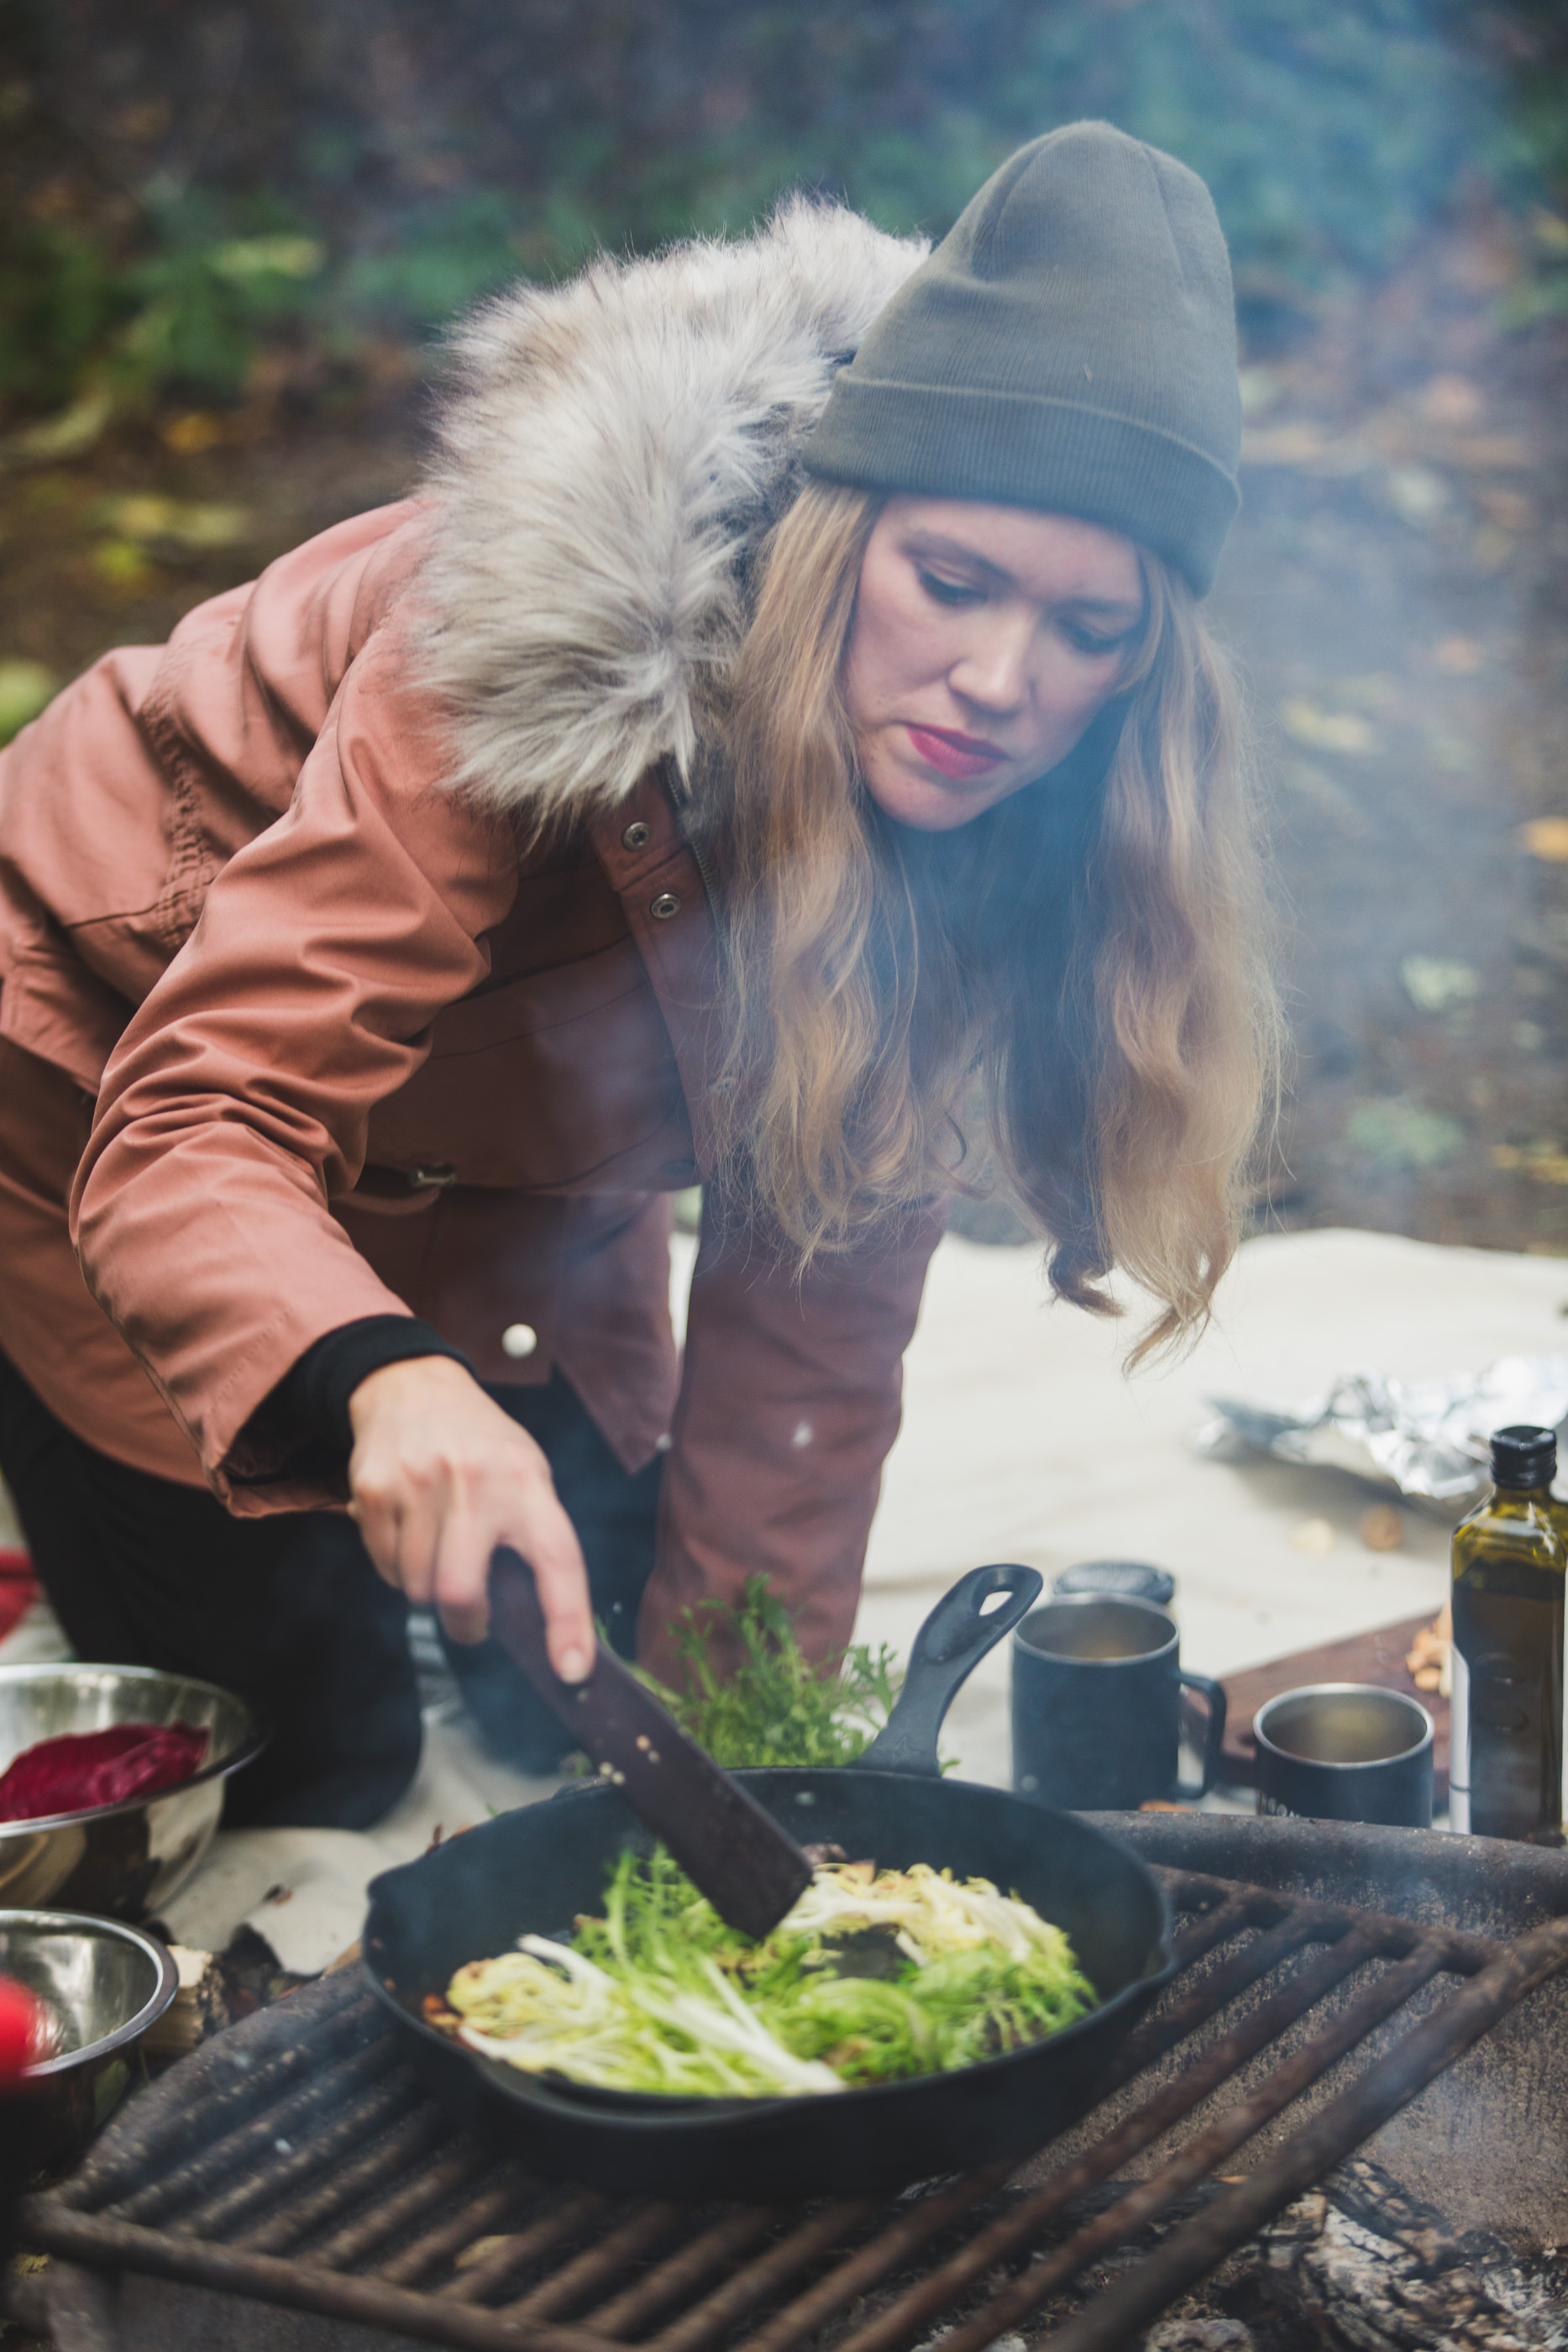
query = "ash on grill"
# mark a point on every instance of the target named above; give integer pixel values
(296, 2161)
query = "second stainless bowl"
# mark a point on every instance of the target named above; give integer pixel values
(103, 1984)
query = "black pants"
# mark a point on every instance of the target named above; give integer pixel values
(288, 1612)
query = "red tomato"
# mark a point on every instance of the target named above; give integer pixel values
(21, 2029)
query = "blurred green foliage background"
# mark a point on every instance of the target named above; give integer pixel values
(192, 194)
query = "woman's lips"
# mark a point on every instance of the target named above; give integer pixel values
(956, 755)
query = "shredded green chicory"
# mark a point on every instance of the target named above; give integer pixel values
(872, 1977)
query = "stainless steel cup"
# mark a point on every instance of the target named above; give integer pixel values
(1097, 1702)
(1345, 1752)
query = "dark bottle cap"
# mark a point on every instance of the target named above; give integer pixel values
(1128, 1580)
(1524, 1455)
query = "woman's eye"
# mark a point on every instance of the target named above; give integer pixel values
(1087, 641)
(950, 591)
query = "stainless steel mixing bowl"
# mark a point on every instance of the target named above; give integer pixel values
(122, 1861)
(104, 1985)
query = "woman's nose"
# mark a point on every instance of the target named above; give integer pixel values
(993, 671)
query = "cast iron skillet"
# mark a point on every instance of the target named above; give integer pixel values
(532, 1870)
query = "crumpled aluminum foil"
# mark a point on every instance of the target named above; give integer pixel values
(1427, 1438)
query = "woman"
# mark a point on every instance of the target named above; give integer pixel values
(736, 767)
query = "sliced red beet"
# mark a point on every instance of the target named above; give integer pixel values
(81, 1768)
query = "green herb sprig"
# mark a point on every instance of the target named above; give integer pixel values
(774, 1707)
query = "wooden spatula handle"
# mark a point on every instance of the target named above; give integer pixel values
(751, 1871)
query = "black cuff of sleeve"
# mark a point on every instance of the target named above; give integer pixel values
(311, 1399)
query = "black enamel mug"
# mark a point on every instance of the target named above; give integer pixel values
(1097, 1704)
(1345, 1752)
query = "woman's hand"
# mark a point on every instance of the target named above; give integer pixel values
(438, 1477)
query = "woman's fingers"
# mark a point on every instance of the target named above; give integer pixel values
(549, 1546)
(439, 1477)
(460, 1584)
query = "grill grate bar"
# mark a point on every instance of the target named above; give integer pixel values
(913, 2230)
(1374, 2004)
(499, 2195)
(322, 2202)
(1458, 1949)
(598, 2264)
(564, 2222)
(1325, 2140)
(1211, 1923)
(193, 2180)
(391, 2215)
(886, 2253)
(98, 2239)
(680, 2273)
(1177, 2020)
(815, 2237)
(229, 2094)
(290, 2161)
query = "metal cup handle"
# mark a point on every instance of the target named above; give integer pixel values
(1214, 1737)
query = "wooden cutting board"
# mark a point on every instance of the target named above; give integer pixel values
(1377, 1657)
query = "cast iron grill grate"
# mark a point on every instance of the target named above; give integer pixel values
(296, 2160)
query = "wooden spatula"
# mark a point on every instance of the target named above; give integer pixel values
(751, 1871)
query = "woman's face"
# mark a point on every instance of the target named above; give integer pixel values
(985, 639)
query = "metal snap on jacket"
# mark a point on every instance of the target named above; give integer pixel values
(637, 834)
(665, 905)
(519, 1339)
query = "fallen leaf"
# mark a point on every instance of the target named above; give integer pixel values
(120, 563)
(152, 520)
(189, 434)
(1382, 1529)
(267, 256)
(1488, 453)
(1433, 984)
(1543, 1163)
(1417, 494)
(1262, 390)
(1452, 400)
(1394, 1132)
(1327, 731)
(1546, 837)
(25, 687)
(66, 435)
(1284, 444)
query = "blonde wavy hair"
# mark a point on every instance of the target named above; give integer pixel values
(1078, 969)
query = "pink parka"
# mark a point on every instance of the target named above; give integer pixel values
(353, 960)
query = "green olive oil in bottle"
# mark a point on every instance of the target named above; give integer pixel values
(1511, 1562)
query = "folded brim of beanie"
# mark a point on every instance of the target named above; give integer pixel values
(1030, 450)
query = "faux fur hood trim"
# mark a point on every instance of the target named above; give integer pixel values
(615, 450)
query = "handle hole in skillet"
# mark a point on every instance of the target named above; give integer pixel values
(993, 1601)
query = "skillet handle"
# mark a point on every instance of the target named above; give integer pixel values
(946, 1651)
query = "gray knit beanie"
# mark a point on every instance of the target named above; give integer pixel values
(1070, 345)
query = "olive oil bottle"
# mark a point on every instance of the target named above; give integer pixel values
(1511, 1563)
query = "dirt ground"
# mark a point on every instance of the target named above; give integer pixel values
(1396, 589)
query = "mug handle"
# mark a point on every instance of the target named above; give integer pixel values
(1214, 1737)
